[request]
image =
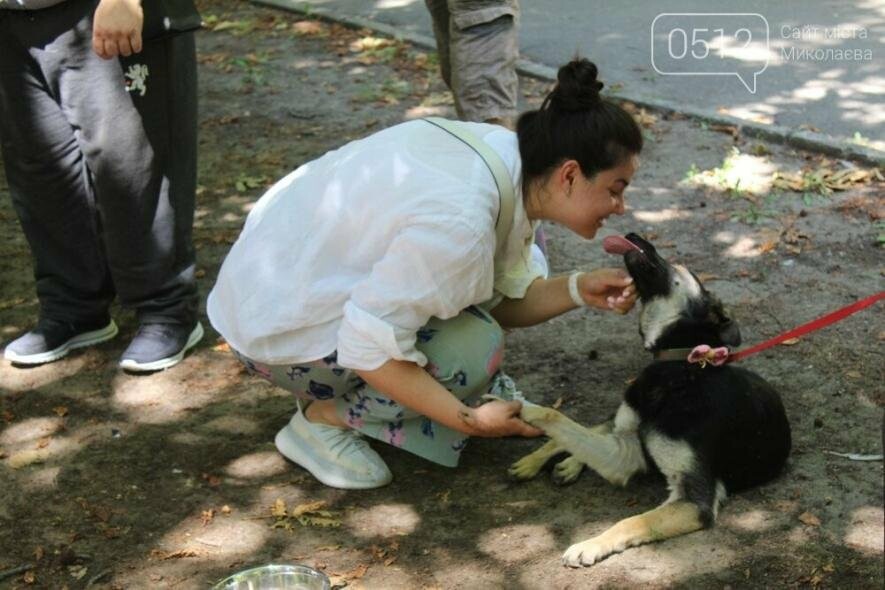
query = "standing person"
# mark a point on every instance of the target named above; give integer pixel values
(98, 132)
(370, 283)
(478, 45)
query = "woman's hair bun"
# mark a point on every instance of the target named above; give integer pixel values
(577, 88)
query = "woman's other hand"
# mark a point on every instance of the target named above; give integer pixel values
(608, 288)
(496, 419)
(116, 28)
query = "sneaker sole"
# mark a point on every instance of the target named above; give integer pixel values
(289, 447)
(131, 365)
(78, 341)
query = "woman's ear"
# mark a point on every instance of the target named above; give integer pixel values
(567, 174)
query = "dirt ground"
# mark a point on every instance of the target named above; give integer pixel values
(109, 480)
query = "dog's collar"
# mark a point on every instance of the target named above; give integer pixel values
(672, 354)
(701, 354)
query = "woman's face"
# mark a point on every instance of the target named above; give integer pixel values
(583, 204)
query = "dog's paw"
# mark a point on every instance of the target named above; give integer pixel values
(586, 553)
(567, 471)
(526, 468)
(537, 415)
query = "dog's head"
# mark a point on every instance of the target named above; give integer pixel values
(677, 311)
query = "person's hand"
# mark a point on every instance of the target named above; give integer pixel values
(497, 418)
(608, 288)
(116, 28)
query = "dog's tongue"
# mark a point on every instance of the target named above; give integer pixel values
(618, 245)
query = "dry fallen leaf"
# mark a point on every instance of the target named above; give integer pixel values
(309, 28)
(308, 507)
(60, 411)
(790, 342)
(30, 577)
(164, 555)
(226, 509)
(556, 405)
(809, 519)
(206, 516)
(706, 277)
(279, 508)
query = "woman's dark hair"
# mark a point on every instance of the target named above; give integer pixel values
(576, 123)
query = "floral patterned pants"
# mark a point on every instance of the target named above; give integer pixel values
(463, 354)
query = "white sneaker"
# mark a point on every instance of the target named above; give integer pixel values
(338, 457)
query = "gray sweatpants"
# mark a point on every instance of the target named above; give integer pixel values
(100, 158)
(478, 46)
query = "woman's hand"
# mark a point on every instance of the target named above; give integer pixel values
(497, 418)
(116, 28)
(608, 288)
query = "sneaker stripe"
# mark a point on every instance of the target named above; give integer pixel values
(132, 365)
(78, 341)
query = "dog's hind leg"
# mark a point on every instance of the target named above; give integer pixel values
(616, 456)
(666, 521)
(530, 465)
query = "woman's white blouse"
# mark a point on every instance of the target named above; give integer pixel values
(356, 250)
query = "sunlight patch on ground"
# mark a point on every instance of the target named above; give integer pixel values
(680, 558)
(30, 430)
(257, 465)
(222, 538)
(47, 446)
(739, 173)
(668, 214)
(383, 520)
(469, 574)
(753, 521)
(16, 379)
(744, 247)
(387, 4)
(517, 543)
(232, 424)
(45, 478)
(160, 398)
(866, 532)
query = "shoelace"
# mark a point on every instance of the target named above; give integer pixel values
(339, 442)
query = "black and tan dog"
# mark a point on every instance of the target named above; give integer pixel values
(708, 429)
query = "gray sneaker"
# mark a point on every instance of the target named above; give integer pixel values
(52, 339)
(159, 346)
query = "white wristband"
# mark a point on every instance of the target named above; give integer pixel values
(573, 289)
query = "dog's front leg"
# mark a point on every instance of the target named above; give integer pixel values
(615, 456)
(664, 522)
(530, 465)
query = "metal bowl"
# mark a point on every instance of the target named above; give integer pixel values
(276, 577)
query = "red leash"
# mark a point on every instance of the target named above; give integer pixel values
(811, 326)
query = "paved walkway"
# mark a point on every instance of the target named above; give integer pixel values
(820, 64)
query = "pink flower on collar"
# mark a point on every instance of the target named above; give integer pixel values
(703, 354)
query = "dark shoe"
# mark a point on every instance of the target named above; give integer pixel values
(159, 346)
(53, 339)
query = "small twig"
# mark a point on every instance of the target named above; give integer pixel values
(94, 579)
(207, 544)
(15, 571)
(856, 456)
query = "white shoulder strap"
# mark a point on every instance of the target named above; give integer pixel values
(496, 167)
